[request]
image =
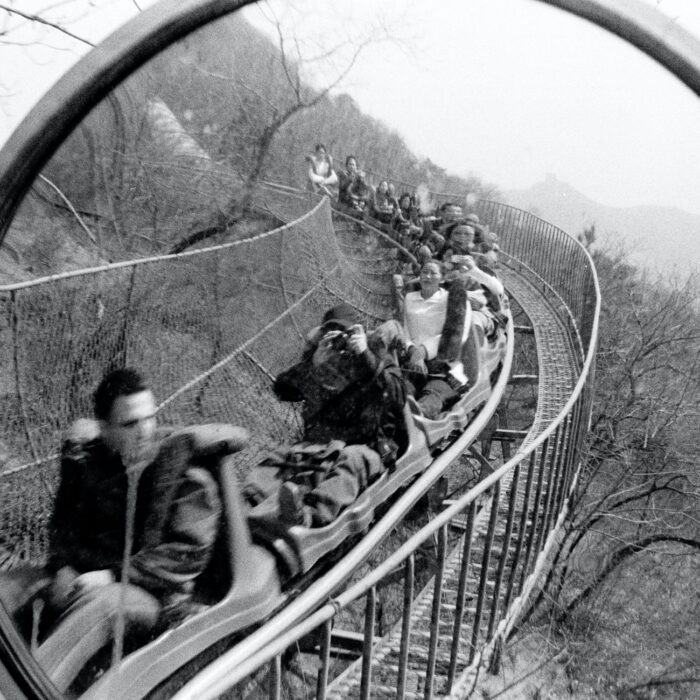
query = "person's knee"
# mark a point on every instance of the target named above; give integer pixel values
(21, 585)
(390, 333)
(140, 607)
(350, 460)
(363, 462)
(434, 396)
(430, 405)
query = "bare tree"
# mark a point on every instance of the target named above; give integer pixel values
(639, 490)
(48, 27)
(264, 101)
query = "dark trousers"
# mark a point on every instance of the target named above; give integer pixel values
(333, 490)
(432, 394)
(352, 472)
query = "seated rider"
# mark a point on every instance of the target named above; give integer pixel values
(176, 511)
(383, 204)
(449, 213)
(429, 340)
(459, 240)
(361, 195)
(391, 193)
(427, 245)
(353, 398)
(434, 328)
(489, 249)
(322, 176)
(345, 180)
(484, 291)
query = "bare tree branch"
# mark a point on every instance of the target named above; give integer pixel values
(40, 20)
(72, 209)
(619, 556)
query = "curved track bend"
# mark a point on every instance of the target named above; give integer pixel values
(491, 542)
(435, 653)
(535, 481)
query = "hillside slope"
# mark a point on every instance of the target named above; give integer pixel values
(658, 238)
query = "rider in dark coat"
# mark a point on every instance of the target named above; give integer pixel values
(126, 495)
(353, 421)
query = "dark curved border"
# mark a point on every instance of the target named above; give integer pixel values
(32, 144)
(84, 86)
(90, 80)
(63, 107)
(641, 25)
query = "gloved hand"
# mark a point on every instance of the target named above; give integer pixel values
(92, 580)
(357, 341)
(62, 590)
(416, 360)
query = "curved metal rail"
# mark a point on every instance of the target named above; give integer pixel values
(507, 520)
(53, 120)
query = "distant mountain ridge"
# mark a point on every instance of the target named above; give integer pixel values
(658, 238)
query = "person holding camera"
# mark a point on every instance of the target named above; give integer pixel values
(353, 397)
(459, 242)
(484, 290)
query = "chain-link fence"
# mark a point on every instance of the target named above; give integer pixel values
(209, 328)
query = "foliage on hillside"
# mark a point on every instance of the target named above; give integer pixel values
(176, 154)
(631, 543)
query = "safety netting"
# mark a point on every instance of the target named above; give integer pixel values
(210, 328)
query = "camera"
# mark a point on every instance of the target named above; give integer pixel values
(339, 341)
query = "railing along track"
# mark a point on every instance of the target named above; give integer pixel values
(462, 587)
(509, 519)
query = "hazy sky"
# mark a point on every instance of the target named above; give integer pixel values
(508, 90)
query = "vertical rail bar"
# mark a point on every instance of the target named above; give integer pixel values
(558, 265)
(488, 543)
(461, 593)
(555, 475)
(435, 614)
(521, 531)
(559, 492)
(325, 657)
(575, 449)
(541, 244)
(535, 515)
(551, 458)
(275, 679)
(504, 550)
(368, 648)
(409, 578)
(544, 247)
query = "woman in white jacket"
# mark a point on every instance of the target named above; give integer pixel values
(436, 323)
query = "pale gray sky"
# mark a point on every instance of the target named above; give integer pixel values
(508, 90)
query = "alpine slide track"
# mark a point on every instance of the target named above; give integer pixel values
(211, 334)
(211, 326)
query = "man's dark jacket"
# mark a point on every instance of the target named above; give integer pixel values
(176, 515)
(368, 412)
